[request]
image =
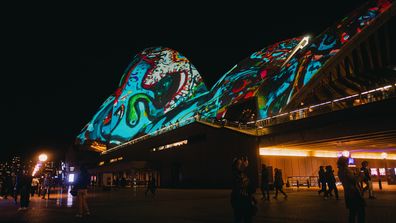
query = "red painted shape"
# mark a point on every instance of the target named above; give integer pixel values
(263, 74)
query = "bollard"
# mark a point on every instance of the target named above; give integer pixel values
(298, 185)
(380, 184)
(308, 184)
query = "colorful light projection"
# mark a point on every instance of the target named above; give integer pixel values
(159, 87)
(277, 91)
(245, 78)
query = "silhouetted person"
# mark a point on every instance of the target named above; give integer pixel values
(354, 200)
(367, 179)
(151, 186)
(265, 182)
(81, 185)
(331, 182)
(35, 185)
(24, 185)
(242, 200)
(46, 187)
(8, 187)
(278, 183)
(322, 180)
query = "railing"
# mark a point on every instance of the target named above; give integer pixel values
(305, 181)
(370, 96)
(377, 94)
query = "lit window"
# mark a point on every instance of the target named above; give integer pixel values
(382, 171)
(374, 171)
(71, 178)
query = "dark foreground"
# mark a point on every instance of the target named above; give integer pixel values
(130, 205)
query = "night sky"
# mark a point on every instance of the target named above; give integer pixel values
(60, 62)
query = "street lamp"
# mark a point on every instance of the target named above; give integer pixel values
(43, 157)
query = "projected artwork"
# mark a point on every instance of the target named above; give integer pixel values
(305, 64)
(156, 82)
(244, 79)
(160, 87)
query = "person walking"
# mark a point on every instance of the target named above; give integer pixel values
(331, 182)
(265, 182)
(322, 180)
(35, 184)
(354, 200)
(81, 185)
(8, 187)
(278, 183)
(242, 199)
(24, 186)
(367, 180)
(46, 187)
(151, 186)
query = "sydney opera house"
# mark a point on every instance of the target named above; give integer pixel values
(295, 105)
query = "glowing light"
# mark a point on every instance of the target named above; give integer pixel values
(372, 155)
(345, 153)
(382, 171)
(324, 154)
(384, 155)
(374, 171)
(283, 152)
(168, 146)
(272, 151)
(303, 43)
(43, 157)
(71, 178)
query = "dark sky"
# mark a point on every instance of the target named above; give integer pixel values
(60, 62)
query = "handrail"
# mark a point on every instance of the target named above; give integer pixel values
(365, 97)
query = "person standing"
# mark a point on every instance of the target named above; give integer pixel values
(82, 191)
(151, 186)
(322, 180)
(265, 182)
(367, 179)
(35, 184)
(24, 185)
(46, 187)
(278, 183)
(354, 200)
(242, 199)
(331, 182)
(8, 187)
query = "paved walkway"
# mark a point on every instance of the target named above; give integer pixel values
(188, 206)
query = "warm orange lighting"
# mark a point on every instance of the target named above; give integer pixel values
(283, 152)
(98, 147)
(372, 155)
(324, 154)
(43, 157)
(272, 151)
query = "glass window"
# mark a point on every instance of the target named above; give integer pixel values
(374, 171)
(382, 171)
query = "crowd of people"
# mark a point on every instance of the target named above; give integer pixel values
(355, 182)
